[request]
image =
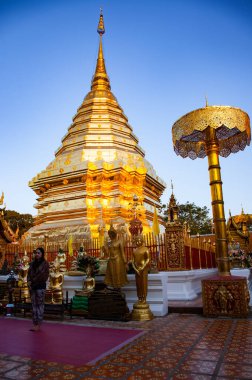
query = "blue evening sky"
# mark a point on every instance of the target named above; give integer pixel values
(162, 57)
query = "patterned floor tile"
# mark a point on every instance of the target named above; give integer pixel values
(148, 374)
(234, 356)
(204, 355)
(236, 370)
(167, 363)
(25, 372)
(6, 365)
(188, 376)
(126, 358)
(198, 366)
(61, 375)
(111, 371)
(177, 346)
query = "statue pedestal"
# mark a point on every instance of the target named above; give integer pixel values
(157, 293)
(157, 290)
(108, 305)
(141, 312)
(225, 296)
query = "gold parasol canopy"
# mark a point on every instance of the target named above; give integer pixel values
(231, 125)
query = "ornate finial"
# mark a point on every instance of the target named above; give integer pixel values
(206, 101)
(230, 213)
(172, 186)
(100, 79)
(100, 28)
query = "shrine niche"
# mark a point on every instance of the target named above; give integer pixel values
(174, 238)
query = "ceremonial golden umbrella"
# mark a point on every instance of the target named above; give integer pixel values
(212, 131)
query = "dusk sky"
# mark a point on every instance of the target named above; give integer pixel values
(162, 57)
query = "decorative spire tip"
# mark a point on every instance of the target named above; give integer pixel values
(100, 28)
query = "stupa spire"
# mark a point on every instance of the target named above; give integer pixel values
(100, 79)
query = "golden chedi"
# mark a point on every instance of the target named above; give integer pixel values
(96, 170)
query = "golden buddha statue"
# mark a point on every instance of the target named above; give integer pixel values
(62, 260)
(56, 277)
(22, 276)
(116, 276)
(141, 262)
(88, 283)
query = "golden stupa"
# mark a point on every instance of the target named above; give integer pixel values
(97, 170)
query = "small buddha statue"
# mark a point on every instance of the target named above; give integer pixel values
(22, 276)
(56, 278)
(89, 283)
(62, 260)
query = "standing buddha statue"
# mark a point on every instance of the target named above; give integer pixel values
(116, 276)
(22, 276)
(140, 262)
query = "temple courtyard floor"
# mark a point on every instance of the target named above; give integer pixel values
(177, 346)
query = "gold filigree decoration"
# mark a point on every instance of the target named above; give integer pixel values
(232, 126)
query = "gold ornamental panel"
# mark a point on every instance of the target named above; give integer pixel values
(225, 296)
(232, 127)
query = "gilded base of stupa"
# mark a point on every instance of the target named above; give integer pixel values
(141, 312)
(225, 296)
